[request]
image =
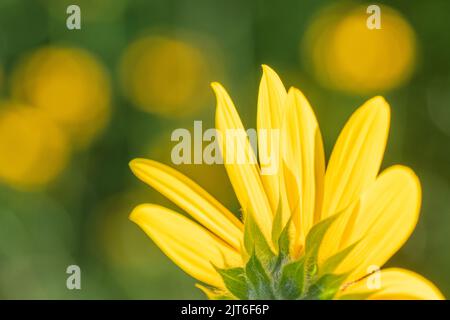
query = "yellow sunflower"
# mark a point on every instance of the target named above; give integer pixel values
(308, 231)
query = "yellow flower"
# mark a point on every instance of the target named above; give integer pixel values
(34, 151)
(70, 86)
(346, 55)
(338, 222)
(165, 76)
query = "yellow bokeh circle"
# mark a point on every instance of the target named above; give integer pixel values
(347, 55)
(33, 149)
(165, 76)
(69, 85)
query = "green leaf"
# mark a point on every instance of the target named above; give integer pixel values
(255, 242)
(335, 260)
(260, 286)
(291, 281)
(326, 287)
(235, 281)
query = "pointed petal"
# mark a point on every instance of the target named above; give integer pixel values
(190, 246)
(190, 197)
(303, 161)
(244, 175)
(357, 155)
(388, 213)
(271, 101)
(396, 284)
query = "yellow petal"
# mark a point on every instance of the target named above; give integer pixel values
(388, 213)
(333, 242)
(303, 159)
(271, 101)
(191, 198)
(396, 284)
(244, 176)
(357, 155)
(191, 247)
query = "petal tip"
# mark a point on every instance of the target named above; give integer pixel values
(292, 90)
(415, 182)
(143, 212)
(266, 68)
(219, 91)
(272, 77)
(295, 92)
(216, 86)
(381, 104)
(136, 214)
(133, 163)
(408, 172)
(136, 164)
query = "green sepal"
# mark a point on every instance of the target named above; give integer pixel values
(335, 260)
(291, 282)
(283, 242)
(326, 287)
(312, 246)
(259, 282)
(267, 275)
(316, 235)
(255, 243)
(235, 281)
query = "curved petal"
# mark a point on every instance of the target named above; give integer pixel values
(395, 284)
(244, 175)
(191, 198)
(271, 102)
(357, 155)
(190, 246)
(387, 215)
(303, 161)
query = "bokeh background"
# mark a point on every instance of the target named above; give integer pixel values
(77, 105)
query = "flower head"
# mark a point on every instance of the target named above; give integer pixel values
(309, 230)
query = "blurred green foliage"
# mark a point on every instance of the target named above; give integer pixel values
(82, 217)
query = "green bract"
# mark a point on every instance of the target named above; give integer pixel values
(267, 275)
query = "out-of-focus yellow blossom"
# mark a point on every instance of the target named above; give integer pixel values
(33, 149)
(69, 85)
(164, 75)
(348, 56)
